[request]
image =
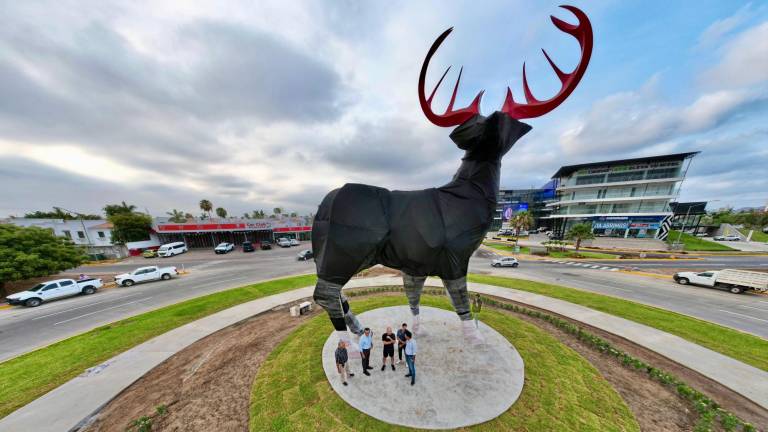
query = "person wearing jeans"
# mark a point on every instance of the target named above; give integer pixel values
(342, 365)
(410, 356)
(401, 342)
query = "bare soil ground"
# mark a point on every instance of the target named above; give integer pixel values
(206, 387)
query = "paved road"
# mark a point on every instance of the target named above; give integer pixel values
(705, 263)
(746, 312)
(23, 329)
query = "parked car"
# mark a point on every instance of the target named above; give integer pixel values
(735, 281)
(727, 238)
(171, 249)
(149, 253)
(505, 262)
(294, 242)
(305, 255)
(265, 245)
(146, 274)
(223, 248)
(54, 289)
(505, 232)
(283, 242)
(248, 247)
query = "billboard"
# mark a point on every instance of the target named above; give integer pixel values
(509, 210)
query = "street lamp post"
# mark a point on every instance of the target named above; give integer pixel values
(80, 216)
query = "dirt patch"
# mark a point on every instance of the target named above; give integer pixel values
(377, 270)
(656, 407)
(205, 387)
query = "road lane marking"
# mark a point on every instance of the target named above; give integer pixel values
(752, 307)
(746, 316)
(80, 307)
(102, 310)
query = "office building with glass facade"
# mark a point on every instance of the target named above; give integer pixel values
(621, 198)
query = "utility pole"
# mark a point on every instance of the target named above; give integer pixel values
(80, 216)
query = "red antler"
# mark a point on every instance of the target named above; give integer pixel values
(534, 108)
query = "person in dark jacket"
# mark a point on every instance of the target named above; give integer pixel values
(342, 362)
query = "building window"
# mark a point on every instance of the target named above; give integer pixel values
(590, 179)
(101, 235)
(625, 176)
(68, 234)
(80, 234)
(661, 173)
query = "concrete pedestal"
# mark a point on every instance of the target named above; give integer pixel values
(455, 386)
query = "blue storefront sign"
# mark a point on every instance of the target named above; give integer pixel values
(610, 224)
(511, 209)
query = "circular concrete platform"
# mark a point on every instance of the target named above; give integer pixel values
(455, 386)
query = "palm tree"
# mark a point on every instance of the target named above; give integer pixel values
(176, 216)
(221, 212)
(206, 206)
(521, 221)
(277, 211)
(580, 232)
(189, 216)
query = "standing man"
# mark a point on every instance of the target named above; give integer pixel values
(410, 356)
(401, 342)
(366, 343)
(341, 362)
(388, 340)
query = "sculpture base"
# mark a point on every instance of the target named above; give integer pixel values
(456, 385)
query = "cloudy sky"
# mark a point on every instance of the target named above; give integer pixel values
(257, 104)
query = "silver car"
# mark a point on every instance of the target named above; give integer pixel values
(505, 262)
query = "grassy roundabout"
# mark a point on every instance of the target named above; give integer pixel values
(562, 390)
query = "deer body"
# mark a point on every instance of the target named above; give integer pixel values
(430, 232)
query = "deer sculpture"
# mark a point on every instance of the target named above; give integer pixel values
(431, 232)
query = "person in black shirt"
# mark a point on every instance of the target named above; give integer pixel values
(388, 339)
(401, 342)
(342, 364)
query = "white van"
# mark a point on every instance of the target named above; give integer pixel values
(172, 249)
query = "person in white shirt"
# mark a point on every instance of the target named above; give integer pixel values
(410, 356)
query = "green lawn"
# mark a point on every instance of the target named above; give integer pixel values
(692, 243)
(758, 235)
(741, 346)
(562, 390)
(31, 375)
(582, 254)
(509, 248)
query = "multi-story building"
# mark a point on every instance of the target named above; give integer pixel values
(620, 198)
(510, 201)
(81, 232)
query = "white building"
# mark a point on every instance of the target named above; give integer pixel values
(84, 233)
(620, 198)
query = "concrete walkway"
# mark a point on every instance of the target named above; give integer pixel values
(69, 404)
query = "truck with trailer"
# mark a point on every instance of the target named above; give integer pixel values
(735, 281)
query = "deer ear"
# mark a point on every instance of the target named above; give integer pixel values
(470, 133)
(509, 130)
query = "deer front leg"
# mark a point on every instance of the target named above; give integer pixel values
(413, 286)
(457, 292)
(329, 296)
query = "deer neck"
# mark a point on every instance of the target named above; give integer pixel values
(476, 179)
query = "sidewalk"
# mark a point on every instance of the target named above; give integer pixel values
(68, 405)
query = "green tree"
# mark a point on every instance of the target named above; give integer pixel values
(130, 227)
(294, 214)
(221, 212)
(206, 206)
(122, 208)
(580, 232)
(58, 213)
(34, 252)
(277, 211)
(176, 216)
(189, 216)
(521, 221)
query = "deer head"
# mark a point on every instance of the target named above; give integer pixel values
(534, 107)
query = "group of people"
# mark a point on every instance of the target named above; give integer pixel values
(405, 345)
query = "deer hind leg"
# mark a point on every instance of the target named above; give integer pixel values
(457, 292)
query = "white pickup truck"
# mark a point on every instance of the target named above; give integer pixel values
(146, 274)
(735, 281)
(52, 290)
